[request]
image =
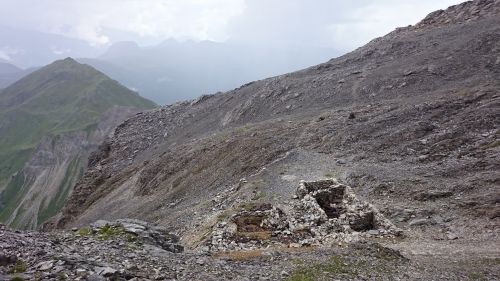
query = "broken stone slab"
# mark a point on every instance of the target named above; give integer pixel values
(44, 266)
(105, 271)
(432, 195)
(421, 222)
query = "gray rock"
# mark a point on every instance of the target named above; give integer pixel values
(420, 222)
(106, 271)
(100, 224)
(44, 266)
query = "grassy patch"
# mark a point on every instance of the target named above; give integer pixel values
(85, 231)
(19, 267)
(329, 175)
(336, 265)
(247, 206)
(108, 232)
(241, 255)
(479, 276)
(260, 195)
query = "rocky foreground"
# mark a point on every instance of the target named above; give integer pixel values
(130, 251)
(324, 233)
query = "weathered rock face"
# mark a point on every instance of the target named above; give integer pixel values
(54, 168)
(324, 212)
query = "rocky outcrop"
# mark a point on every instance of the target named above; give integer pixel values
(324, 212)
(141, 231)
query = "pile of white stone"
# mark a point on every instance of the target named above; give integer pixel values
(322, 212)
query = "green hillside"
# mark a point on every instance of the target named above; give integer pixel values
(62, 97)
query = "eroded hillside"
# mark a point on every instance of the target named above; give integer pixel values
(50, 121)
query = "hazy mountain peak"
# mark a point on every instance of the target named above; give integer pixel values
(7, 68)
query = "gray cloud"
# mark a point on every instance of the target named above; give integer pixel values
(333, 23)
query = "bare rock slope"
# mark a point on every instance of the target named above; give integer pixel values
(409, 121)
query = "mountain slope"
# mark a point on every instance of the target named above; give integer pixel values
(411, 113)
(55, 110)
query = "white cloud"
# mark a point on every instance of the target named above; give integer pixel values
(379, 18)
(7, 52)
(4, 56)
(333, 23)
(187, 19)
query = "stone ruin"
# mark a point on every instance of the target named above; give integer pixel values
(322, 212)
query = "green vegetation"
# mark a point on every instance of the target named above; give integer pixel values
(335, 265)
(108, 232)
(85, 231)
(477, 276)
(60, 98)
(329, 175)
(260, 195)
(19, 267)
(74, 172)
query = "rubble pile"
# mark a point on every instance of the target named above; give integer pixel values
(322, 212)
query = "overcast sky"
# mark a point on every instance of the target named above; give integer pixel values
(339, 24)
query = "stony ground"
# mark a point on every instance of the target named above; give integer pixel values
(83, 255)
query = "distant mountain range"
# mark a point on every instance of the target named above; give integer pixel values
(50, 120)
(167, 72)
(10, 73)
(174, 71)
(30, 48)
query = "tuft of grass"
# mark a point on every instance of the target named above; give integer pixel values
(17, 278)
(247, 206)
(329, 175)
(477, 276)
(85, 231)
(108, 232)
(19, 267)
(61, 276)
(260, 195)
